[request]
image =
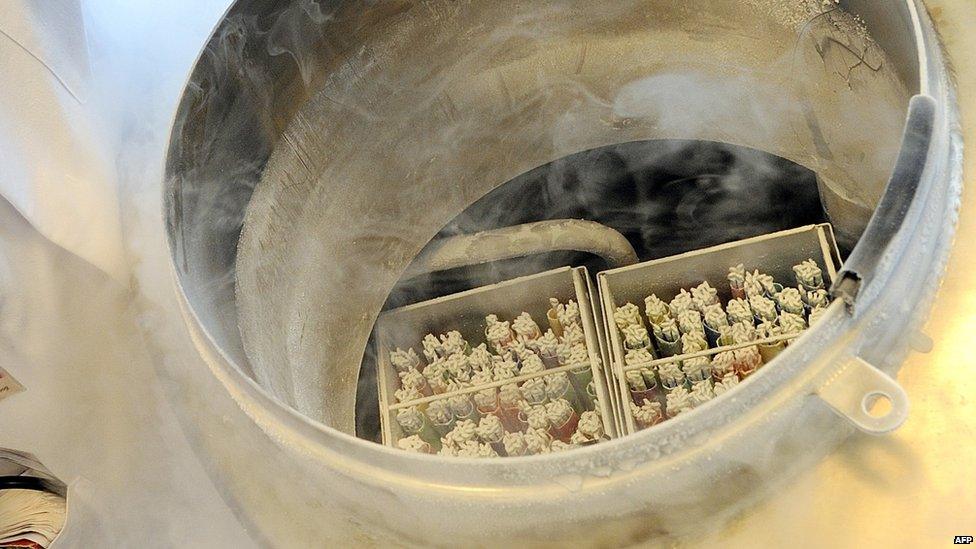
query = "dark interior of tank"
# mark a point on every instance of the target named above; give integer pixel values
(666, 197)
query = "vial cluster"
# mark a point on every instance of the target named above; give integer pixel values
(500, 397)
(668, 368)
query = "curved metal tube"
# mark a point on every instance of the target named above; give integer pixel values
(522, 240)
(899, 195)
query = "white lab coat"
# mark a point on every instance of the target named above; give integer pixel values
(55, 168)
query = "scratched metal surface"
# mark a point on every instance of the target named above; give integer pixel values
(915, 487)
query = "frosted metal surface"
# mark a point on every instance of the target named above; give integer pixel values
(395, 132)
(353, 243)
(222, 463)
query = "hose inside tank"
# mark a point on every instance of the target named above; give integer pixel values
(382, 148)
(662, 198)
(576, 235)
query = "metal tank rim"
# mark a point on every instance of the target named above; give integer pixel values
(375, 464)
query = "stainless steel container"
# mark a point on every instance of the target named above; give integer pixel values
(465, 312)
(348, 135)
(773, 254)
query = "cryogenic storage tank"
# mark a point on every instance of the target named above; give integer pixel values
(344, 139)
(336, 181)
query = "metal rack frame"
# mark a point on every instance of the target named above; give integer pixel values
(465, 312)
(774, 254)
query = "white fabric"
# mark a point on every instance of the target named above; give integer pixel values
(72, 141)
(54, 167)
